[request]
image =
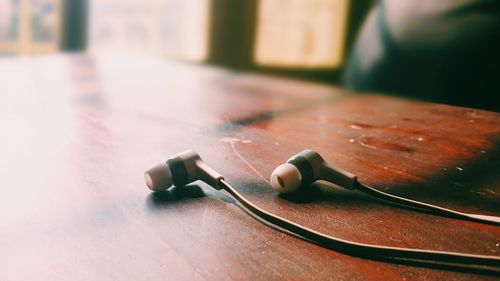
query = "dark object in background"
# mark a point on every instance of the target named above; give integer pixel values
(74, 25)
(441, 51)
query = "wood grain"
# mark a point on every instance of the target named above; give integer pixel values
(77, 132)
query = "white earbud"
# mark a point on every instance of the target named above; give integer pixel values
(306, 167)
(286, 178)
(180, 170)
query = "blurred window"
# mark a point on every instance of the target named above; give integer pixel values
(305, 38)
(301, 33)
(29, 26)
(166, 27)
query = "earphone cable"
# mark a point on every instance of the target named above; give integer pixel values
(461, 260)
(425, 206)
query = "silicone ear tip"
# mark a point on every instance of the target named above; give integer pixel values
(286, 178)
(159, 177)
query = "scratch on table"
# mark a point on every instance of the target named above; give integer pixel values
(232, 142)
(247, 163)
(356, 127)
(204, 214)
(170, 251)
(360, 142)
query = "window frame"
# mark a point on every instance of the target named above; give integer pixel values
(231, 36)
(233, 33)
(24, 44)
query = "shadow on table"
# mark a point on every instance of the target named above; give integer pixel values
(473, 184)
(304, 195)
(174, 194)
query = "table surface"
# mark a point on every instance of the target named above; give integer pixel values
(78, 131)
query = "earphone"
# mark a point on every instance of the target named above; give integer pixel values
(309, 166)
(183, 168)
(306, 167)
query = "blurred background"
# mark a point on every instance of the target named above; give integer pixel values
(294, 37)
(360, 44)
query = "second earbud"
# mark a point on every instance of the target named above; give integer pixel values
(305, 168)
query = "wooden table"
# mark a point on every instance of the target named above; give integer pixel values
(77, 132)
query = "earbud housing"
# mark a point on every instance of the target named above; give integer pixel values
(180, 170)
(306, 167)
